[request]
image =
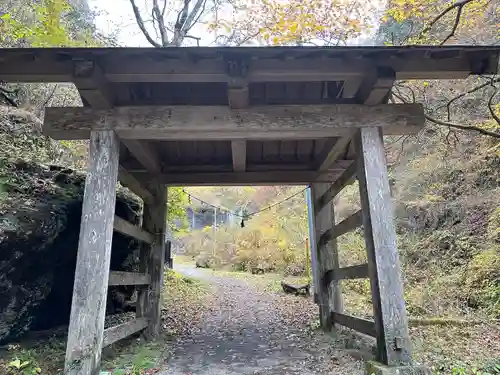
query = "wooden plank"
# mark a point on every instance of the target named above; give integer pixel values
(312, 243)
(329, 296)
(341, 182)
(119, 332)
(245, 178)
(331, 153)
(222, 123)
(359, 271)
(92, 84)
(239, 155)
(155, 221)
(128, 278)
(361, 325)
(347, 225)
(132, 183)
(88, 307)
(376, 86)
(393, 342)
(145, 154)
(128, 229)
(155, 66)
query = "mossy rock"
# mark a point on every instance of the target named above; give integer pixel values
(40, 211)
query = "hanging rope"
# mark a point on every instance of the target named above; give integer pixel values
(246, 216)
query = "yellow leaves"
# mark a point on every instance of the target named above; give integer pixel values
(281, 22)
(437, 18)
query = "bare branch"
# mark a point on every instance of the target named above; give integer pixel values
(140, 23)
(161, 23)
(458, 4)
(455, 25)
(490, 102)
(451, 124)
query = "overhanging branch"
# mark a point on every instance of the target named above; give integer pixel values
(140, 23)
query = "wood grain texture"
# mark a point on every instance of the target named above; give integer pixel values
(245, 178)
(239, 155)
(135, 186)
(331, 153)
(216, 122)
(361, 325)
(329, 296)
(344, 179)
(145, 154)
(128, 278)
(347, 225)
(359, 271)
(128, 229)
(312, 243)
(88, 308)
(383, 261)
(155, 216)
(119, 332)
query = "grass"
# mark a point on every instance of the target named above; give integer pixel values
(183, 302)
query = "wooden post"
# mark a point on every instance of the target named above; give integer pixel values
(329, 297)
(88, 308)
(312, 243)
(393, 343)
(155, 220)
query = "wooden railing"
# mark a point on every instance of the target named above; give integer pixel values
(139, 280)
(335, 273)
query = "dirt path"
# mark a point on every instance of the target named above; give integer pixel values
(250, 332)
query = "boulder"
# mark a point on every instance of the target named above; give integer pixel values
(40, 210)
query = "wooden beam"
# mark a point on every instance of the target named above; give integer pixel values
(145, 154)
(329, 296)
(393, 341)
(245, 178)
(88, 307)
(128, 278)
(349, 224)
(331, 152)
(359, 271)
(128, 229)
(214, 122)
(361, 325)
(239, 155)
(132, 183)
(155, 221)
(119, 332)
(46, 67)
(92, 84)
(341, 182)
(376, 87)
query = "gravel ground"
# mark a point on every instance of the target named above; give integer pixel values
(253, 332)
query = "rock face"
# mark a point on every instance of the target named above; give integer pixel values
(40, 209)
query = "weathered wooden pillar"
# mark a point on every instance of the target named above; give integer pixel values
(393, 342)
(88, 308)
(329, 295)
(155, 222)
(312, 243)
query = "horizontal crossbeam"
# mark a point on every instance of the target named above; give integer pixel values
(220, 122)
(119, 332)
(361, 325)
(359, 271)
(344, 179)
(245, 178)
(128, 229)
(128, 278)
(349, 224)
